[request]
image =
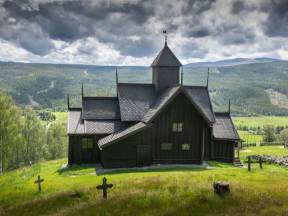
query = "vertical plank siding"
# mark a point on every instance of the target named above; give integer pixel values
(124, 152)
(224, 150)
(77, 155)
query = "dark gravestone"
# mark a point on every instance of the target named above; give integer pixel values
(104, 187)
(221, 188)
(39, 181)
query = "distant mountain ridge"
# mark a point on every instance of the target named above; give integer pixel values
(255, 86)
(231, 62)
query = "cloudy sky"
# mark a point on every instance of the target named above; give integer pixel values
(129, 32)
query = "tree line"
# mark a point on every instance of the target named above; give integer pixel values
(25, 139)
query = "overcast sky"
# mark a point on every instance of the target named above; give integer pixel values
(129, 32)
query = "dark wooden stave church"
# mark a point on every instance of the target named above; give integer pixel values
(160, 123)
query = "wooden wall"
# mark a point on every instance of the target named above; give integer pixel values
(179, 110)
(223, 150)
(195, 132)
(77, 155)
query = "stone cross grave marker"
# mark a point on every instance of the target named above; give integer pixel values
(39, 181)
(104, 187)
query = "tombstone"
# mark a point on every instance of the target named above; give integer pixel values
(39, 181)
(221, 188)
(104, 187)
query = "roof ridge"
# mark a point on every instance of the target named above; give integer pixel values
(99, 97)
(143, 84)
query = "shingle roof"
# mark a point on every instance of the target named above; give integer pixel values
(163, 99)
(100, 108)
(108, 140)
(224, 127)
(135, 100)
(75, 123)
(199, 95)
(166, 58)
(102, 127)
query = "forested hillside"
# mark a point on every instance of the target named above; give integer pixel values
(25, 139)
(254, 88)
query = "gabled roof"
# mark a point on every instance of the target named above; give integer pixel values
(103, 127)
(197, 95)
(166, 58)
(135, 100)
(108, 140)
(75, 123)
(161, 101)
(224, 127)
(100, 108)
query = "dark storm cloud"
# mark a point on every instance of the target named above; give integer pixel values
(277, 23)
(237, 7)
(130, 26)
(72, 20)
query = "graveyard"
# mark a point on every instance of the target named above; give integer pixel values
(167, 191)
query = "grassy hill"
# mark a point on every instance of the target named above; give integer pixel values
(254, 88)
(166, 191)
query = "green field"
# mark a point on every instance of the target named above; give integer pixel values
(61, 117)
(260, 121)
(250, 138)
(174, 191)
(264, 150)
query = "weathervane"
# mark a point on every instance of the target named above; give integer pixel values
(165, 33)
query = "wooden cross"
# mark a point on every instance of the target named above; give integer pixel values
(39, 181)
(260, 162)
(104, 187)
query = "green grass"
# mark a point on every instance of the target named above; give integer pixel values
(61, 117)
(250, 138)
(261, 121)
(264, 150)
(175, 191)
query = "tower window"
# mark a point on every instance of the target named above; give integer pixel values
(177, 127)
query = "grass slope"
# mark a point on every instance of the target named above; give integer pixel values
(181, 191)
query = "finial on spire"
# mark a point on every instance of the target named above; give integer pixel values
(182, 75)
(68, 102)
(229, 107)
(165, 33)
(82, 90)
(208, 74)
(117, 81)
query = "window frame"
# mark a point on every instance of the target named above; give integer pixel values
(87, 143)
(185, 148)
(177, 127)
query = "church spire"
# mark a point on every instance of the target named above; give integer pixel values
(165, 34)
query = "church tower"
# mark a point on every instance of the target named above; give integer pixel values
(165, 69)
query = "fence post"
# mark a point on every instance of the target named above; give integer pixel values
(249, 163)
(260, 162)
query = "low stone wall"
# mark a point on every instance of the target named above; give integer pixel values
(283, 161)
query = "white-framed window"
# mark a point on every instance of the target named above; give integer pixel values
(166, 146)
(177, 127)
(185, 147)
(87, 143)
